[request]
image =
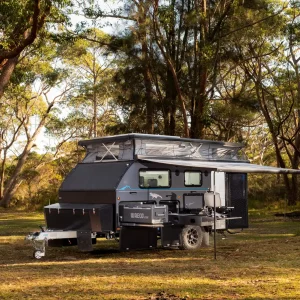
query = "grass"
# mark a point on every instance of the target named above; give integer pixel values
(262, 262)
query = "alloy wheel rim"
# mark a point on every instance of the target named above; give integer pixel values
(193, 236)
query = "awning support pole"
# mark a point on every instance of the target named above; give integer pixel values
(215, 221)
(215, 228)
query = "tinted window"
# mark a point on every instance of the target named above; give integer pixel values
(154, 178)
(192, 178)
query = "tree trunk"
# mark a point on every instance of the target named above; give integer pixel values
(142, 33)
(12, 184)
(295, 164)
(263, 105)
(200, 72)
(197, 119)
(94, 110)
(170, 105)
(171, 67)
(6, 73)
(149, 99)
(293, 195)
(2, 176)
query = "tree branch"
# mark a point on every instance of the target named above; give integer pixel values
(38, 21)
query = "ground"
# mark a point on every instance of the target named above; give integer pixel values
(262, 262)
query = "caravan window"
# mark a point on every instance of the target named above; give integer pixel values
(192, 178)
(154, 178)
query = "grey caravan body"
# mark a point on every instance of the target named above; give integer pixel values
(122, 185)
(133, 184)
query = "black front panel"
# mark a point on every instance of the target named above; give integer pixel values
(238, 198)
(93, 183)
(95, 176)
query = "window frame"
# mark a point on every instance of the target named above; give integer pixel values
(193, 185)
(156, 187)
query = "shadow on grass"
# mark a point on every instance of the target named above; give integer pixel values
(241, 270)
(139, 292)
(14, 250)
(126, 279)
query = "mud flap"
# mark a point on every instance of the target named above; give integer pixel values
(84, 241)
(170, 236)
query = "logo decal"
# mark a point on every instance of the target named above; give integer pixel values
(138, 216)
(155, 196)
(125, 188)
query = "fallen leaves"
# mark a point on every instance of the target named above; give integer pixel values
(165, 296)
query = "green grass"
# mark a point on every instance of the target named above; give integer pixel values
(262, 262)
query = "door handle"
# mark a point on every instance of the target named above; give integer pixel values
(160, 215)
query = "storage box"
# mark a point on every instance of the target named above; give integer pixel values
(143, 213)
(70, 216)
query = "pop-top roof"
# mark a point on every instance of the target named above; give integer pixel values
(141, 136)
(173, 150)
(128, 146)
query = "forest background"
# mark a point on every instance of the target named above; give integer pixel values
(74, 69)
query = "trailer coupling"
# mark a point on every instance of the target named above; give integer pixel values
(40, 239)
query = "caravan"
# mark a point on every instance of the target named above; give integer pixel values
(140, 186)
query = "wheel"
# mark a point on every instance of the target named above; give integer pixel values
(38, 254)
(191, 237)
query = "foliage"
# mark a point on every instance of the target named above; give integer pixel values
(90, 107)
(28, 108)
(220, 70)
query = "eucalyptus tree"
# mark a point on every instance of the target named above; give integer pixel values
(185, 47)
(29, 102)
(206, 37)
(233, 111)
(92, 69)
(290, 135)
(21, 22)
(131, 41)
(272, 64)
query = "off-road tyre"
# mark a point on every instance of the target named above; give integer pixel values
(191, 237)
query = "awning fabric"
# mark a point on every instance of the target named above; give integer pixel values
(219, 166)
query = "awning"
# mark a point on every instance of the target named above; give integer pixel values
(219, 166)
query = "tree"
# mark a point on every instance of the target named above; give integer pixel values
(273, 68)
(186, 44)
(21, 21)
(23, 104)
(90, 110)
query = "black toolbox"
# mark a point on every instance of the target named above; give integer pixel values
(136, 212)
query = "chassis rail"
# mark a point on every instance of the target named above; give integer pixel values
(39, 240)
